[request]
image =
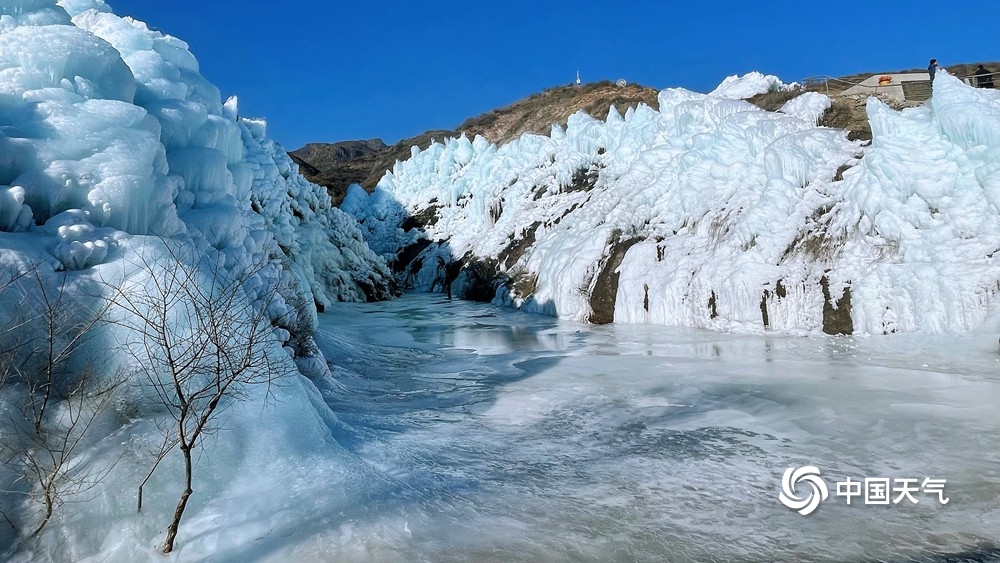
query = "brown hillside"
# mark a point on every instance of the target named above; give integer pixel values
(338, 165)
(537, 113)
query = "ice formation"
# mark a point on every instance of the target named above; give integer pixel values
(114, 149)
(714, 213)
(110, 133)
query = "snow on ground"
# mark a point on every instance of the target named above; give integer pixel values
(750, 84)
(713, 213)
(808, 106)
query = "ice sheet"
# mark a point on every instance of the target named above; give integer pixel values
(516, 437)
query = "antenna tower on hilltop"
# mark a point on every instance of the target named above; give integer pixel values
(578, 78)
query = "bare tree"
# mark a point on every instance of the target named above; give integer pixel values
(203, 336)
(9, 334)
(52, 448)
(12, 335)
(61, 387)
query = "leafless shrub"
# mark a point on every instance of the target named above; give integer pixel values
(201, 340)
(58, 384)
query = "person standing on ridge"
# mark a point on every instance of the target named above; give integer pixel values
(932, 69)
(984, 78)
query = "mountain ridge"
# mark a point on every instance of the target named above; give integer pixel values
(338, 165)
(320, 163)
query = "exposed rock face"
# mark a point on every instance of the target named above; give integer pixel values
(604, 292)
(836, 314)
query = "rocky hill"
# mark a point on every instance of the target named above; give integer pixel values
(338, 165)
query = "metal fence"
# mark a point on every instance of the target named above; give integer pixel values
(913, 90)
(977, 80)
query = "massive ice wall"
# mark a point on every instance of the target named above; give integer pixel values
(120, 163)
(714, 213)
(108, 133)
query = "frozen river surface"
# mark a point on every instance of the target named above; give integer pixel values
(504, 436)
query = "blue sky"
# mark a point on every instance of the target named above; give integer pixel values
(329, 70)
